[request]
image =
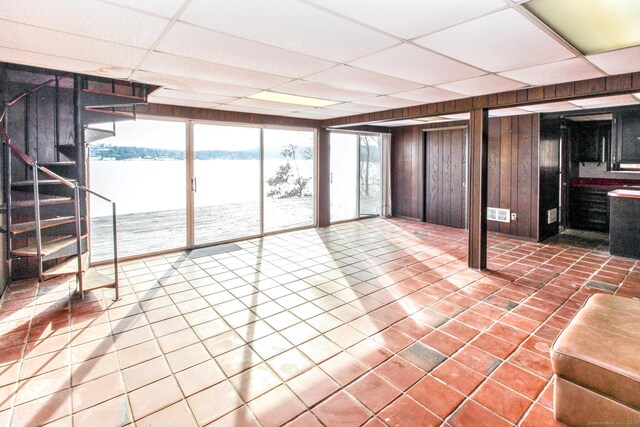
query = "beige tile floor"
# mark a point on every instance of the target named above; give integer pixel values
(375, 322)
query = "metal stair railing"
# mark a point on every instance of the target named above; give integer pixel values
(10, 148)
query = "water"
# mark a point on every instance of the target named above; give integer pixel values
(139, 186)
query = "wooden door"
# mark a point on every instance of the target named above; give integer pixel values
(446, 177)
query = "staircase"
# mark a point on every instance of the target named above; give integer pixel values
(46, 209)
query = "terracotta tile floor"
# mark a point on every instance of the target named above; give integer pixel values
(373, 322)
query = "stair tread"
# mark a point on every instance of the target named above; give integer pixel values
(48, 248)
(40, 181)
(105, 110)
(93, 280)
(137, 99)
(23, 227)
(43, 202)
(68, 266)
(53, 164)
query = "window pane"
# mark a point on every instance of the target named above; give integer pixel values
(288, 175)
(344, 176)
(370, 176)
(143, 170)
(227, 172)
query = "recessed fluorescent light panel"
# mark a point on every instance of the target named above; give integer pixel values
(292, 99)
(591, 26)
(431, 119)
(637, 96)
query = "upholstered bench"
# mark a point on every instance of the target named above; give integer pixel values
(596, 360)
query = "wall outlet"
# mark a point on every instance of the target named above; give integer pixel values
(513, 216)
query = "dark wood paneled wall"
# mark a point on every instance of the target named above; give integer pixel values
(514, 173)
(407, 172)
(445, 177)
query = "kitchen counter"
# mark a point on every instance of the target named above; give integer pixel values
(606, 183)
(624, 226)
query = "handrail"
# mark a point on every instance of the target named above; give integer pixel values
(25, 158)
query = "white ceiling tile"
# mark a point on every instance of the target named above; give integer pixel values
(87, 18)
(618, 61)
(33, 39)
(605, 101)
(288, 24)
(351, 78)
(199, 43)
(429, 94)
(320, 114)
(62, 64)
(322, 91)
(166, 8)
(203, 70)
(184, 102)
(167, 94)
(192, 85)
(551, 106)
(482, 85)
(555, 72)
(501, 41)
(388, 102)
(413, 63)
(411, 18)
(507, 112)
(268, 105)
(253, 110)
(358, 108)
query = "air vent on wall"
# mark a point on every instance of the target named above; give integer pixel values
(552, 215)
(497, 214)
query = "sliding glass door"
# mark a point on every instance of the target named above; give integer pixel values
(143, 169)
(370, 175)
(180, 184)
(288, 179)
(355, 175)
(343, 186)
(226, 182)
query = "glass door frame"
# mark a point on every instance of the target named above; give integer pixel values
(189, 182)
(358, 216)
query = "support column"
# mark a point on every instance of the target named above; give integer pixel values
(324, 178)
(477, 196)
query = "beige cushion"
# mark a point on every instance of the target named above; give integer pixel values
(600, 348)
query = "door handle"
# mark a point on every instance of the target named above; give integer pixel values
(194, 185)
(330, 177)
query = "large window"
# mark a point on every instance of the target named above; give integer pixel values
(288, 179)
(226, 182)
(356, 175)
(238, 181)
(143, 169)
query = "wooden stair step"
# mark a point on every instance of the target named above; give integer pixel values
(94, 134)
(29, 182)
(92, 280)
(67, 267)
(90, 98)
(43, 202)
(48, 248)
(97, 115)
(24, 227)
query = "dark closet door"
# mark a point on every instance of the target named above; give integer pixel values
(446, 177)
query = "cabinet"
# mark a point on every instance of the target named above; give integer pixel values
(590, 141)
(589, 208)
(626, 137)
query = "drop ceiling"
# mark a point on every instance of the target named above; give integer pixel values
(365, 55)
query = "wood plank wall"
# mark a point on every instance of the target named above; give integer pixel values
(445, 177)
(513, 172)
(407, 172)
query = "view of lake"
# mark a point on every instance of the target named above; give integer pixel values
(159, 185)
